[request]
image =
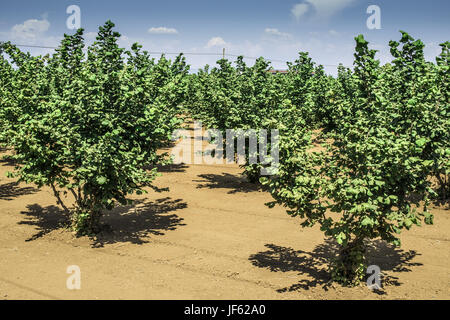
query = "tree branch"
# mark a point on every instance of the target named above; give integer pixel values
(59, 201)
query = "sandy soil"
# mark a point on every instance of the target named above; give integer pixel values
(209, 237)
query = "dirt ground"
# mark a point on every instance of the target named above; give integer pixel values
(209, 237)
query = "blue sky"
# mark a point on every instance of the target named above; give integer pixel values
(269, 28)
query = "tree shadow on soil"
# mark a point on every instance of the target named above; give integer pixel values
(45, 220)
(123, 224)
(10, 191)
(227, 181)
(135, 223)
(443, 204)
(173, 168)
(7, 160)
(315, 264)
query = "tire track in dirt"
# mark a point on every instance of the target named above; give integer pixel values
(20, 286)
(113, 251)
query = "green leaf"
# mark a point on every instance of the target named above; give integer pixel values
(421, 142)
(101, 180)
(408, 223)
(367, 221)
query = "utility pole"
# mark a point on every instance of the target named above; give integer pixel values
(223, 56)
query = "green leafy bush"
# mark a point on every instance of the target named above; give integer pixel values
(368, 174)
(89, 125)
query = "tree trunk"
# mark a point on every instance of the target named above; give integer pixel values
(350, 266)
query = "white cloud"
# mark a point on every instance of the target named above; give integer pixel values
(30, 30)
(276, 33)
(334, 33)
(322, 8)
(216, 42)
(299, 10)
(162, 30)
(90, 36)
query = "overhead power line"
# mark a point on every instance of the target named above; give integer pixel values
(184, 53)
(32, 46)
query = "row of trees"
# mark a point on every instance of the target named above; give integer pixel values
(359, 153)
(249, 97)
(89, 122)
